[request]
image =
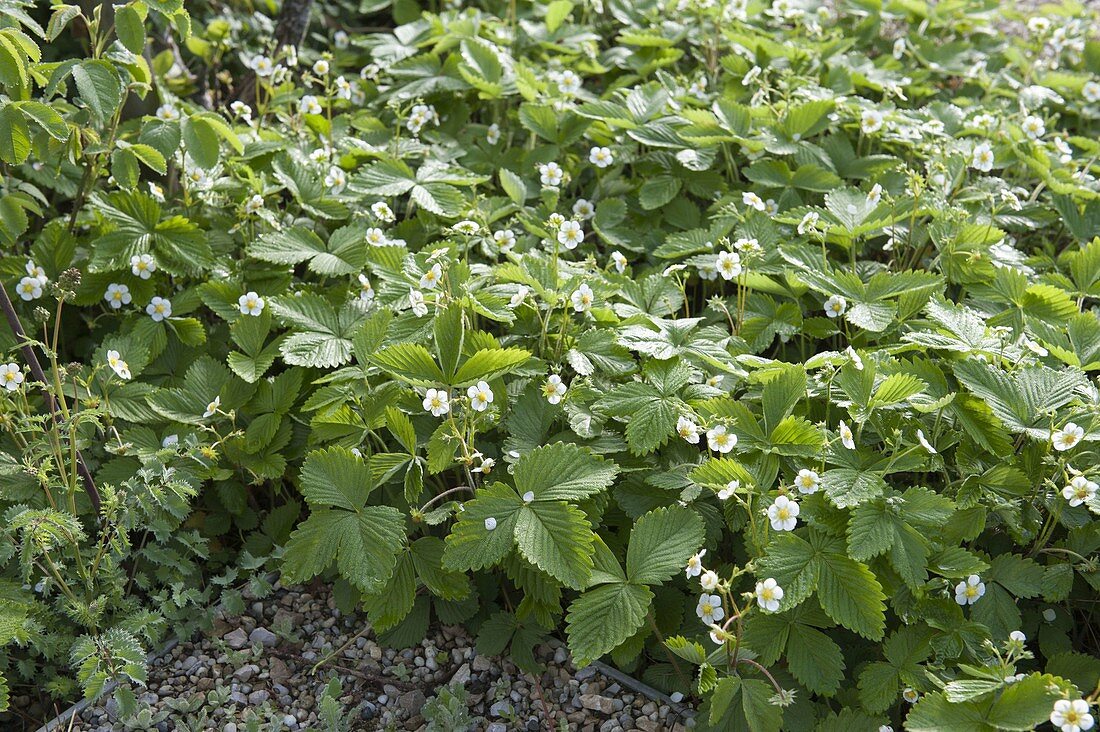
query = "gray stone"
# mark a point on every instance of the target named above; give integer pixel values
(497, 727)
(263, 636)
(481, 663)
(462, 676)
(500, 708)
(245, 672)
(412, 701)
(259, 697)
(585, 673)
(597, 703)
(236, 639)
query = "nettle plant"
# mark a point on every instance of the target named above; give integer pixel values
(753, 348)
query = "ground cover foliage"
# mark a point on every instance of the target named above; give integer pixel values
(749, 347)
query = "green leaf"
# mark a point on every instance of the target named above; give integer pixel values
(130, 28)
(1023, 399)
(45, 117)
(335, 477)
(556, 12)
(847, 487)
(556, 538)
(740, 700)
(851, 595)
(513, 185)
(602, 619)
(449, 329)
(563, 472)
(471, 545)
(488, 364)
(410, 362)
(661, 543)
(815, 659)
(200, 139)
(99, 86)
(15, 141)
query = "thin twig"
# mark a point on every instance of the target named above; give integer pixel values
(40, 376)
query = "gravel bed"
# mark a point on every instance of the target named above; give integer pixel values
(254, 672)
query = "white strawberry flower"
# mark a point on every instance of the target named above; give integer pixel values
(518, 297)
(213, 407)
(117, 295)
(910, 695)
(752, 200)
(366, 291)
(570, 234)
(416, 302)
(437, 402)
(11, 376)
(250, 304)
(569, 83)
(695, 564)
(143, 265)
(857, 361)
(481, 396)
(835, 306)
(467, 227)
(728, 265)
(1071, 716)
(601, 157)
(1033, 127)
(871, 121)
(120, 367)
(618, 259)
(970, 590)
(336, 179)
(159, 308)
(1017, 636)
(710, 609)
(553, 389)
(846, 436)
(731, 488)
(1067, 437)
(875, 195)
(551, 174)
(719, 440)
(505, 240)
(688, 430)
(320, 67)
(808, 222)
(709, 580)
(254, 204)
(492, 135)
(783, 514)
(582, 298)
(167, 113)
(33, 270)
(768, 594)
(29, 288)
(1091, 92)
(490, 523)
(432, 277)
(309, 104)
(982, 158)
(807, 481)
(583, 209)
(1079, 490)
(376, 237)
(382, 211)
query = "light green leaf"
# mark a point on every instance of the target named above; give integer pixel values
(563, 472)
(661, 543)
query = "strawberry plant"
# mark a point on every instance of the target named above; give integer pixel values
(750, 347)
